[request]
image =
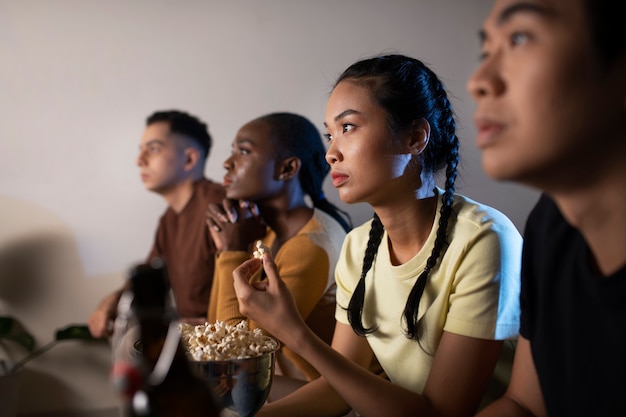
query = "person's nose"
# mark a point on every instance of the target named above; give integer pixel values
(333, 154)
(228, 163)
(487, 79)
(141, 159)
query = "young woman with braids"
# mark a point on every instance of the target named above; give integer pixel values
(276, 161)
(429, 287)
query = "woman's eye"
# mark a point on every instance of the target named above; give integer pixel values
(328, 137)
(347, 127)
(519, 38)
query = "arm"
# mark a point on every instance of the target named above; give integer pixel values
(460, 372)
(318, 398)
(223, 303)
(302, 265)
(523, 397)
(100, 321)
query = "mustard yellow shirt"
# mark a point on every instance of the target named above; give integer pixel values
(306, 263)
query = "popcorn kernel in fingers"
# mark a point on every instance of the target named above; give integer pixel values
(262, 249)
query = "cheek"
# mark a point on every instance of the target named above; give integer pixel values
(399, 164)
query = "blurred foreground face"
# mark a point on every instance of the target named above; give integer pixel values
(546, 107)
(161, 158)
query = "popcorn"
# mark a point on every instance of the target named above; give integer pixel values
(262, 248)
(221, 341)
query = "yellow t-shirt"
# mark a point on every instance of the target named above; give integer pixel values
(472, 291)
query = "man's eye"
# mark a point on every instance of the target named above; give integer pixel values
(154, 149)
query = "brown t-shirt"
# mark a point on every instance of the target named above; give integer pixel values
(184, 242)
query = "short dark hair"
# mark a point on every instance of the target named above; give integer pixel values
(185, 124)
(607, 29)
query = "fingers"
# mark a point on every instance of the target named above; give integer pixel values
(230, 211)
(243, 273)
(270, 268)
(213, 225)
(252, 208)
(215, 216)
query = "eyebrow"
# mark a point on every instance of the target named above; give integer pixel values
(344, 114)
(152, 142)
(242, 141)
(514, 9)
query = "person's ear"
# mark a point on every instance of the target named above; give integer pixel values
(289, 168)
(192, 157)
(419, 136)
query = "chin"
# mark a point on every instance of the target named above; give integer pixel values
(347, 198)
(233, 195)
(498, 169)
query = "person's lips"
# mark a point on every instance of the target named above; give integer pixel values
(144, 176)
(226, 181)
(339, 178)
(488, 131)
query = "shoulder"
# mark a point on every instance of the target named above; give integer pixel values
(545, 216)
(209, 191)
(481, 232)
(301, 250)
(547, 233)
(475, 218)
(324, 230)
(355, 243)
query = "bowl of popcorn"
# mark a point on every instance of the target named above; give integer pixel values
(236, 361)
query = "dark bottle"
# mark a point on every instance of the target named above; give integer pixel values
(168, 386)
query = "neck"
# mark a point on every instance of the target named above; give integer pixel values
(179, 195)
(598, 212)
(285, 216)
(408, 225)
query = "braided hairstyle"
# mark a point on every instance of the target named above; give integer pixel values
(408, 90)
(296, 136)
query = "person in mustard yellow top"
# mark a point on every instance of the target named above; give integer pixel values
(277, 160)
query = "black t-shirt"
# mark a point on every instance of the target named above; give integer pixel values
(574, 317)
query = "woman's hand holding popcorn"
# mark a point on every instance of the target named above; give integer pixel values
(268, 302)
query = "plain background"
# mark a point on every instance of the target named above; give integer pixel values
(79, 77)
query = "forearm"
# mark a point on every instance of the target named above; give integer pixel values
(315, 399)
(365, 392)
(505, 407)
(109, 303)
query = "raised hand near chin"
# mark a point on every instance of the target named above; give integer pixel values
(234, 225)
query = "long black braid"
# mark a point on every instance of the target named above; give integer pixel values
(297, 136)
(409, 91)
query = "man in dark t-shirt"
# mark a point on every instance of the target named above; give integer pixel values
(171, 161)
(551, 114)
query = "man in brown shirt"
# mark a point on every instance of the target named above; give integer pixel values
(172, 156)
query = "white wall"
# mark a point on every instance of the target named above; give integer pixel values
(78, 78)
